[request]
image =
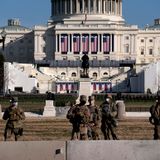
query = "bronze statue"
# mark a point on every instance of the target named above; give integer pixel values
(85, 66)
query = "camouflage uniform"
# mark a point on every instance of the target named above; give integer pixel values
(14, 117)
(108, 122)
(155, 119)
(94, 124)
(79, 117)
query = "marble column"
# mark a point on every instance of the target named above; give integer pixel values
(104, 6)
(131, 43)
(99, 6)
(94, 6)
(65, 6)
(120, 7)
(83, 9)
(77, 6)
(122, 44)
(115, 7)
(71, 7)
(89, 6)
(111, 9)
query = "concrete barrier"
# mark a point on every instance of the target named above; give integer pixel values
(80, 150)
(42, 150)
(62, 111)
(121, 109)
(113, 150)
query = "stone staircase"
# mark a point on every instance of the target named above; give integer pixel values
(39, 129)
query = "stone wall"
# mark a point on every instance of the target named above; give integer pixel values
(80, 150)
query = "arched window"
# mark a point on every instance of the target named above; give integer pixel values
(63, 74)
(105, 74)
(94, 75)
(73, 74)
(126, 48)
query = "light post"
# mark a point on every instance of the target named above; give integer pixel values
(2, 40)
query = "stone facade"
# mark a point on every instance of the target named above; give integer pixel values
(95, 27)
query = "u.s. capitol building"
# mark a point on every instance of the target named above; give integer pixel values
(51, 55)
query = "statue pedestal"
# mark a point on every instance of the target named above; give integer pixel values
(85, 87)
(49, 109)
(121, 109)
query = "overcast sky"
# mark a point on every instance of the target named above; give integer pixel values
(35, 12)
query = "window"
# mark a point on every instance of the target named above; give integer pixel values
(63, 74)
(127, 48)
(127, 37)
(18, 89)
(105, 74)
(142, 40)
(94, 75)
(73, 74)
(150, 40)
(142, 51)
(150, 51)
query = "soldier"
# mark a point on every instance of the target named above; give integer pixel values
(79, 117)
(14, 117)
(155, 117)
(108, 122)
(94, 124)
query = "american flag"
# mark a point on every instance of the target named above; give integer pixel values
(106, 43)
(85, 43)
(76, 43)
(94, 43)
(64, 43)
(61, 87)
(94, 86)
(100, 86)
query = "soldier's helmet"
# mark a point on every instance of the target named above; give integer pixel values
(83, 98)
(90, 98)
